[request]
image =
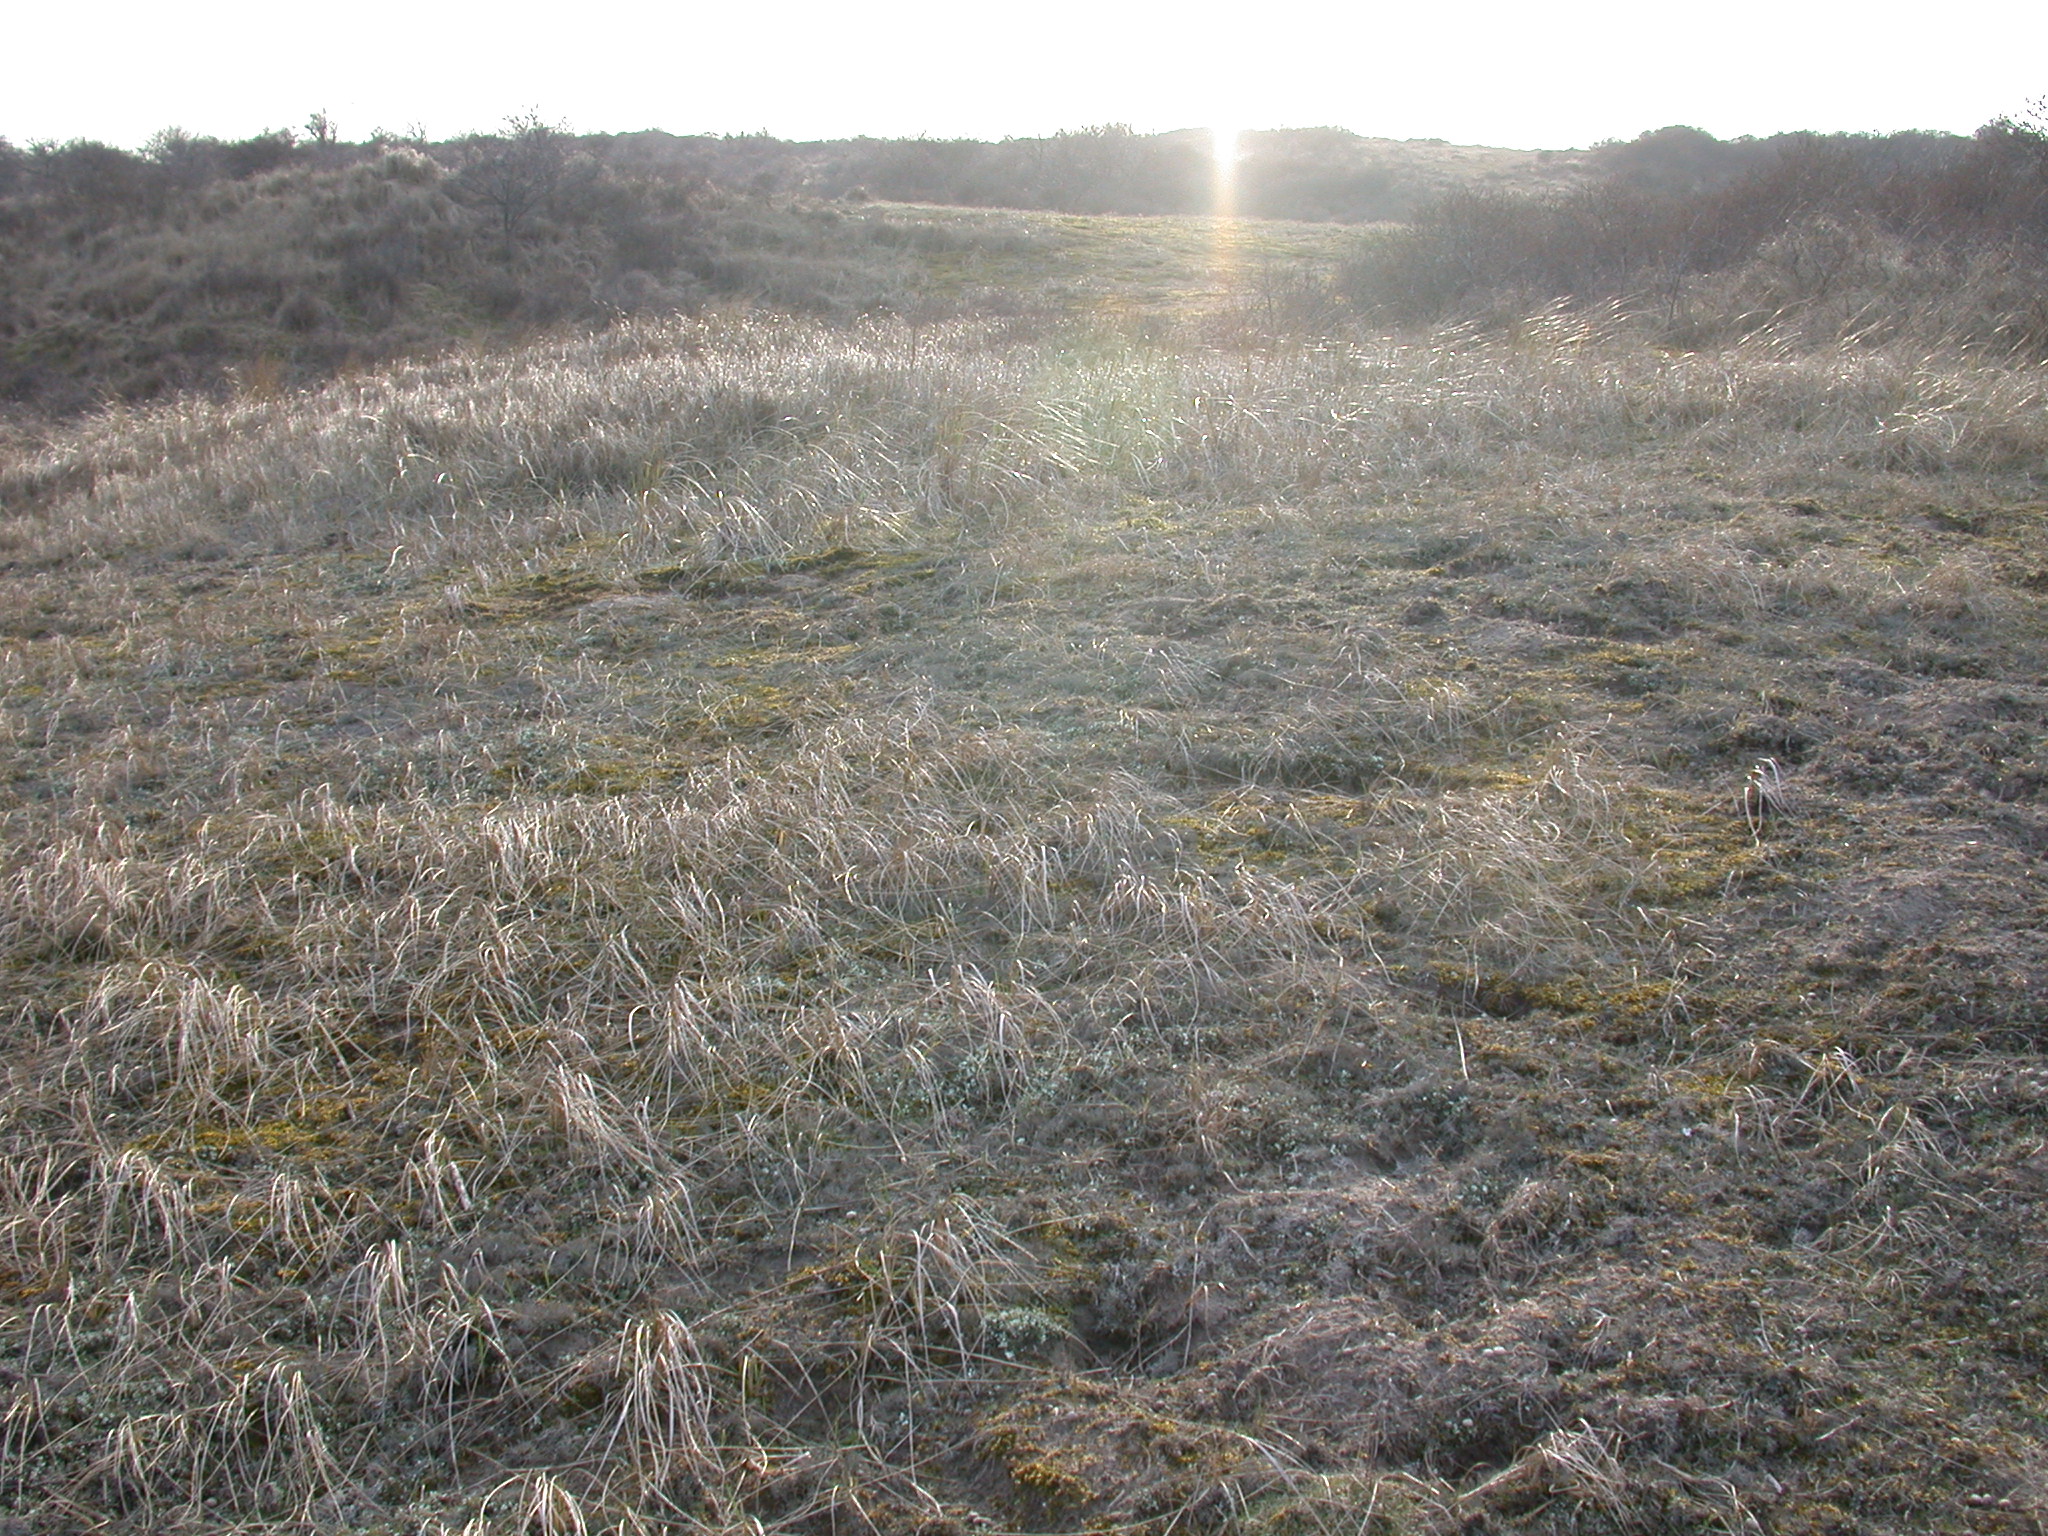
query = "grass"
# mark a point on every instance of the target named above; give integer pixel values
(1023, 925)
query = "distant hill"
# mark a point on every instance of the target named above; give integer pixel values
(277, 260)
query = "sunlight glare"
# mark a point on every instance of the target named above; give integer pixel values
(1224, 150)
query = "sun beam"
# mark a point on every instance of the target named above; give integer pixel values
(1223, 152)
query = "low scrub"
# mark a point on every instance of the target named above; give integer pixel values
(1847, 237)
(345, 259)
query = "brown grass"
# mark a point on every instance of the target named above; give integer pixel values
(737, 924)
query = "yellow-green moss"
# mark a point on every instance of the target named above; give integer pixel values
(538, 595)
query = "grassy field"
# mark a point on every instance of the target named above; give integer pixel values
(1153, 921)
(1167, 271)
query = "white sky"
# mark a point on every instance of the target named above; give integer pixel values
(1471, 71)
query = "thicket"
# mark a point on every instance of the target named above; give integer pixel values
(274, 262)
(1843, 236)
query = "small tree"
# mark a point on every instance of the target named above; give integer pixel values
(517, 173)
(187, 161)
